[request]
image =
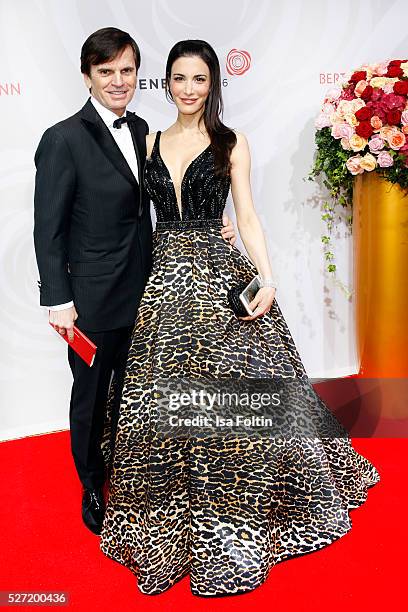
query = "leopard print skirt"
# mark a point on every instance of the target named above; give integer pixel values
(224, 510)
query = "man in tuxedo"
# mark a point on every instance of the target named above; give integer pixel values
(93, 241)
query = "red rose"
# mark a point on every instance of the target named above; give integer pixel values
(348, 93)
(358, 76)
(395, 63)
(366, 95)
(364, 129)
(380, 112)
(394, 117)
(377, 94)
(401, 88)
(364, 113)
(394, 71)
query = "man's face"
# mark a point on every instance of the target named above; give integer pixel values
(113, 83)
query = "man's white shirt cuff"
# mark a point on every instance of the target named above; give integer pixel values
(60, 306)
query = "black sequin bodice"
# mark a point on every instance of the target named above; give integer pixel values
(203, 194)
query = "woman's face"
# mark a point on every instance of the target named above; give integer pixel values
(190, 84)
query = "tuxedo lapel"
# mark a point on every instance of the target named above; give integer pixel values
(105, 140)
(139, 143)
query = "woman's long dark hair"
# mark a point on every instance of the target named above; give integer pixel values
(223, 139)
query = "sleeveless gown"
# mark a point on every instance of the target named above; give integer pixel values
(224, 510)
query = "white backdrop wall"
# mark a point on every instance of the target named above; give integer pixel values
(297, 49)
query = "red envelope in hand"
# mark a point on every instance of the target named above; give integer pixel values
(81, 344)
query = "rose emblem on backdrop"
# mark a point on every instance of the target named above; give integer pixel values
(238, 61)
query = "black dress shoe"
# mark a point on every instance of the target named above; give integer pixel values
(93, 509)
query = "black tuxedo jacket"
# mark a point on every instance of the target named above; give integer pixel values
(92, 225)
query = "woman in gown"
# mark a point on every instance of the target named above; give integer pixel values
(223, 509)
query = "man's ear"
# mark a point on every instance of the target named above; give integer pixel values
(88, 83)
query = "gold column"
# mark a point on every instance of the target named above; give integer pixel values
(380, 237)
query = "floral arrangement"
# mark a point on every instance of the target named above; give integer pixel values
(362, 127)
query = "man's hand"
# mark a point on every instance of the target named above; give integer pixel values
(63, 321)
(228, 231)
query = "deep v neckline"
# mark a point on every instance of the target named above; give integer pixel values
(178, 204)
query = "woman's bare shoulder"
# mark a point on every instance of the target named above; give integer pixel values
(242, 140)
(241, 147)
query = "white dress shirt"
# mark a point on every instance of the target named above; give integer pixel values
(123, 139)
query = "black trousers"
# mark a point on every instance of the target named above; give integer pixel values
(89, 395)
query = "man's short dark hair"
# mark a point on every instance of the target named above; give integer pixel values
(104, 45)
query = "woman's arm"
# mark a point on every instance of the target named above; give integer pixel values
(248, 223)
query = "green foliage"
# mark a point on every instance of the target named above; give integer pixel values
(398, 173)
(330, 162)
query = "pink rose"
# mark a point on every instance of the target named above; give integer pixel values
(360, 87)
(384, 160)
(404, 117)
(382, 68)
(388, 88)
(376, 122)
(328, 108)
(334, 93)
(396, 140)
(387, 130)
(375, 144)
(353, 165)
(342, 130)
(379, 69)
(322, 121)
(392, 101)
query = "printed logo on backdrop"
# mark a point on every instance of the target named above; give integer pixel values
(10, 89)
(330, 78)
(238, 62)
(159, 83)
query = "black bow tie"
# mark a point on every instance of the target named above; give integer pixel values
(128, 119)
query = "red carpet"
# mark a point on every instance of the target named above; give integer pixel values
(45, 546)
